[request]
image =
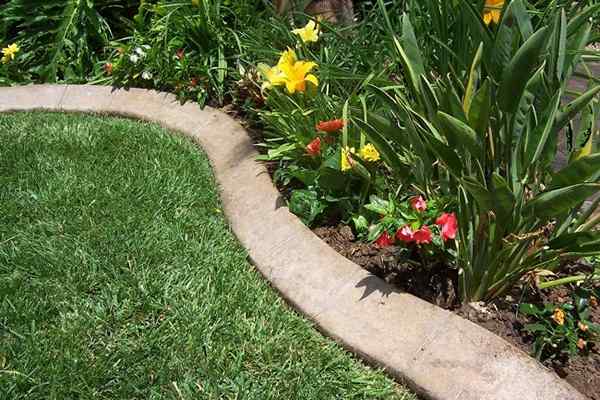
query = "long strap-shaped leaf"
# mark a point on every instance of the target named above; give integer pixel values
(558, 201)
(473, 82)
(574, 107)
(519, 69)
(578, 171)
(538, 137)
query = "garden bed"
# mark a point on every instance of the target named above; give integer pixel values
(439, 287)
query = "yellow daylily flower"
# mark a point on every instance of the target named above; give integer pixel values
(492, 11)
(289, 72)
(310, 33)
(297, 74)
(9, 53)
(347, 161)
(369, 153)
(288, 57)
(273, 76)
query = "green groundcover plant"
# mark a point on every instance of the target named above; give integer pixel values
(187, 47)
(563, 330)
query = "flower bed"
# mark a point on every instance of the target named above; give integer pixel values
(482, 218)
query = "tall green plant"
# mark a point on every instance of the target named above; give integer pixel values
(191, 45)
(490, 136)
(61, 39)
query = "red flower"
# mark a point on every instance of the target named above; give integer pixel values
(108, 68)
(314, 147)
(180, 54)
(405, 234)
(423, 235)
(194, 82)
(330, 126)
(418, 203)
(384, 240)
(448, 224)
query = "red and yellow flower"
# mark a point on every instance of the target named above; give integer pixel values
(492, 11)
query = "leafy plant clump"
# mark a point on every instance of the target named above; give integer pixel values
(488, 135)
(564, 330)
(60, 40)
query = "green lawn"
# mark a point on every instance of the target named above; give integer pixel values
(119, 278)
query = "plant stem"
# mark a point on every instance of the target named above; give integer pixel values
(562, 281)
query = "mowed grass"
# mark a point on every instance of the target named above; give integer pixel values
(119, 278)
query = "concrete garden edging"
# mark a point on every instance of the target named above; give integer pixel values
(438, 354)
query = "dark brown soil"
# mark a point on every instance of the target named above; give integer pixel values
(437, 284)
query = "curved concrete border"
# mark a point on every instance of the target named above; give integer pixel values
(438, 354)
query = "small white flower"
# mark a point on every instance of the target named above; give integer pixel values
(147, 75)
(139, 51)
(134, 59)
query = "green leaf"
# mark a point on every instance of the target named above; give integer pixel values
(519, 11)
(584, 139)
(306, 176)
(446, 155)
(377, 136)
(459, 134)
(330, 175)
(525, 107)
(281, 151)
(558, 201)
(503, 198)
(479, 112)
(535, 328)
(410, 70)
(519, 70)
(378, 205)
(574, 107)
(581, 19)
(537, 138)
(576, 45)
(410, 45)
(529, 309)
(577, 171)
(561, 45)
(306, 205)
(574, 241)
(480, 193)
(473, 81)
(332, 179)
(360, 224)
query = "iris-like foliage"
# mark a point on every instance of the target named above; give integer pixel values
(489, 134)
